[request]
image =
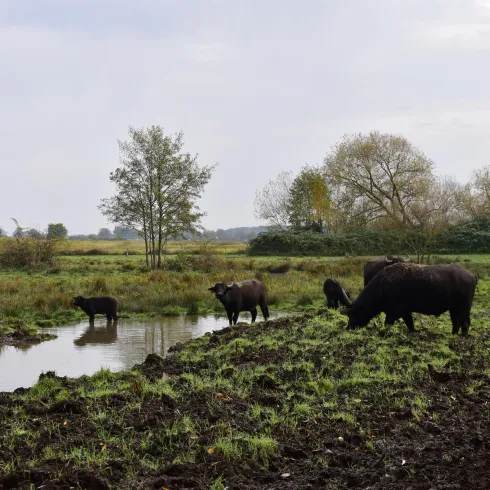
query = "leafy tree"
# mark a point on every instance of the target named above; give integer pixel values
(474, 197)
(125, 233)
(57, 231)
(309, 205)
(33, 233)
(378, 177)
(272, 202)
(157, 189)
(104, 233)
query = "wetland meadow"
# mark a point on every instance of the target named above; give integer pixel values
(294, 402)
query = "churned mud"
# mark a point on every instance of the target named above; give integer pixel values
(287, 404)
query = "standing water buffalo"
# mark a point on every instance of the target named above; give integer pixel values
(403, 289)
(372, 267)
(92, 306)
(335, 294)
(241, 296)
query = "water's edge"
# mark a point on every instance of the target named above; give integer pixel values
(84, 349)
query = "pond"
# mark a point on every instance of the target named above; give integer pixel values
(84, 349)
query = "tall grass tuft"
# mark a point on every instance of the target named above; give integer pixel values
(100, 286)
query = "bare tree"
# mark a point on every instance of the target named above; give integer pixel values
(272, 202)
(439, 210)
(474, 198)
(378, 177)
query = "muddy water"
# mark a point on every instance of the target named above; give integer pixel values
(84, 349)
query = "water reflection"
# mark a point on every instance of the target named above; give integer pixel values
(98, 335)
(85, 348)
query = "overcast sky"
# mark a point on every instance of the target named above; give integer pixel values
(257, 86)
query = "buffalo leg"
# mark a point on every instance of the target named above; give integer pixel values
(330, 303)
(265, 311)
(254, 314)
(408, 319)
(465, 323)
(390, 319)
(455, 322)
(235, 317)
(230, 316)
(108, 316)
(336, 304)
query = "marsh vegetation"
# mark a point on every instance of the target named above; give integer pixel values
(297, 402)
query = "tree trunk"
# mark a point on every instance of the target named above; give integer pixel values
(160, 235)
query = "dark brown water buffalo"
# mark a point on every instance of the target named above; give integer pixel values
(403, 289)
(104, 305)
(241, 296)
(372, 267)
(335, 294)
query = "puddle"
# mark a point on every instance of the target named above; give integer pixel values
(82, 349)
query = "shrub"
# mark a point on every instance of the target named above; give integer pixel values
(32, 253)
(278, 268)
(470, 237)
(100, 286)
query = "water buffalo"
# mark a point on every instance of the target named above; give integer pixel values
(372, 267)
(241, 296)
(403, 289)
(335, 294)
(104, 305)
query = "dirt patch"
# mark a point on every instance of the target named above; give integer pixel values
(297, 403)
(21, 339)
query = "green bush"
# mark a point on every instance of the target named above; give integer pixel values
(359, 242)
(30, 253)
(471, 237)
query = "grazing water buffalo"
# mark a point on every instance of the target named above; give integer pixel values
(335, 294)
(372, 267)
(403, 289)
(241, 296)
(104, 305)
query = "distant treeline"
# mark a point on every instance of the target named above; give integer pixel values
(471, 237)
(240, 234)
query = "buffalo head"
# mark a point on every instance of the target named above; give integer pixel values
(78, 301)
(356, 318)
(220, 289)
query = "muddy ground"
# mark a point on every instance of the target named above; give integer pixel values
(18, 335)
(295, 403)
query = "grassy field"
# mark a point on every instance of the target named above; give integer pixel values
(292, 283)
(294, 403)
(183, 287)
(297, 402)
(120, 247)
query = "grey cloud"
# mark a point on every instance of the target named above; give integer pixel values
(258, 87)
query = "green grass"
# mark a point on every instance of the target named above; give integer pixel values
(333, 384)
(182, 287)
(45, 298)
(119, 247)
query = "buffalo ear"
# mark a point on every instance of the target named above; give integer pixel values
(213, 289)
